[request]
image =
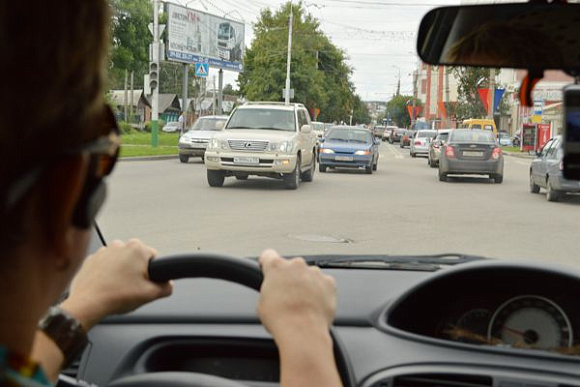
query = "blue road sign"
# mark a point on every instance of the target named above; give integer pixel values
(201, 69)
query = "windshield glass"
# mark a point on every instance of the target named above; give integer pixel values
(208, 124)
(351, 64)
(471, 136)
(348, 135)
(273, 119)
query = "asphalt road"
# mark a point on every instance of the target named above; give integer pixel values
(400, 209)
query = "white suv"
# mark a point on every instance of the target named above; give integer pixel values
(264, 139)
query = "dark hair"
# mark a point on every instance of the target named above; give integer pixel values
(52, 74)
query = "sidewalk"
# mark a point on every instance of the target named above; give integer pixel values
(521, 155)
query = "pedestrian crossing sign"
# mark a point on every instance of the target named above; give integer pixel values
(201, 69)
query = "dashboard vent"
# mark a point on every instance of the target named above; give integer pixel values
(442, 380)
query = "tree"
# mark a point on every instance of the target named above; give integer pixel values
(397, 107)
(469, 103)
(229, 90)
(319, 74)
(130, 41)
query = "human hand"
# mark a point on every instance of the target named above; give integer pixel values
(294, 296)
(114, 280)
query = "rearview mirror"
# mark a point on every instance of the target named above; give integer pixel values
(306, 129)
(527, 35)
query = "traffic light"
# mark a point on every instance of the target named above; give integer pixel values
(153, 75)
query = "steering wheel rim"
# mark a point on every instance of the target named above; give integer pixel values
(245, 272)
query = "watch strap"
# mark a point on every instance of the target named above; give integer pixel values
(66, 332)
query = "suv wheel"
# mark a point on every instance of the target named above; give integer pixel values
(534, 188)
(292, 179)
(184, 158)
(309, 175)
(215, 178)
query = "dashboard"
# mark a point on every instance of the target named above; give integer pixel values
(485, 323)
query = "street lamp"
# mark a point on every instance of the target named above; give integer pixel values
(399, 79)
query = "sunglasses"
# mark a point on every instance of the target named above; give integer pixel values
(103, 152)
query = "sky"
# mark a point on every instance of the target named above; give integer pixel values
(379, 36)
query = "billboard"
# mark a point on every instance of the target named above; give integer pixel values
(198, 37)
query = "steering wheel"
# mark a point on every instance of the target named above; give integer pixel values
(242, 271)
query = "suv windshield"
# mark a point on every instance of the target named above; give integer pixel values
(471, 136)
(271, 119)
(208, 124)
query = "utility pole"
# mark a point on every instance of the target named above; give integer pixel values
(184, 105)
(413, 117)
(491, 93)
(155, 91)
(213, 96)
(220, 93)
(287, 94)
(132, 97)
(125, 99)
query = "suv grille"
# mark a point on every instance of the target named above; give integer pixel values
(248, 145)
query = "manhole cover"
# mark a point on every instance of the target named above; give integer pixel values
(319, 238)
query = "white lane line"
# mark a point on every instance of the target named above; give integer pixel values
(395, 152)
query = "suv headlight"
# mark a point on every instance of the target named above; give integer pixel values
(216, 144)
(286, 147)
(184, 139)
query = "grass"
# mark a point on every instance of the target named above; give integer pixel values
(514, 149)
(146, 150)
(143, 138)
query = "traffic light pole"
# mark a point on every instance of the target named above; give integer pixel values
(155, 91)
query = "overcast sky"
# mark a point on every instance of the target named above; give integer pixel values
(379, 36)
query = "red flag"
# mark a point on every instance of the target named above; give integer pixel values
(410, 110)
(442, 109)
(484, 96)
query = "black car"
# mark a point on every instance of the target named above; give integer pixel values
(471, 152)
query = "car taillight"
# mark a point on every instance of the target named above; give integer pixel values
(418, 143)
(496, 153)
(449, 152)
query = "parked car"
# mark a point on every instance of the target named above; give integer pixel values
(546, 172)
(349, 147)
(435, 147)
(406, 138)
(194, 142)
(171, 127)
(396, 135)
(268, 139)
(388, 131)
(421, 142)
(504, 139)
(471, 152)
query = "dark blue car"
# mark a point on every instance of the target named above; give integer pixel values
(349, 147)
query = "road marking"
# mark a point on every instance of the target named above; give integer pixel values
(395, 152)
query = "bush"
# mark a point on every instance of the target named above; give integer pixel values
(160, 124)
(125, 128)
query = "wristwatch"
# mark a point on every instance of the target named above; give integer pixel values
(66, 332)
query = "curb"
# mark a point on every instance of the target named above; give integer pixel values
(149, 158)
(519, 155)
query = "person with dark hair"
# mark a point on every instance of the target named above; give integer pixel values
(52, 182)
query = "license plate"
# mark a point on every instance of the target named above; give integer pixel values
(472, 153)
(198, 145)
(344, 158)
(247, 160)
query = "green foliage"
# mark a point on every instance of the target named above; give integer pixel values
(160, 124)
(319, 74)
(470, 79)
(130, 40)
(126, 128)
(229, 90)
(397, 106)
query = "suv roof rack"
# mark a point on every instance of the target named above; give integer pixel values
(274, 103)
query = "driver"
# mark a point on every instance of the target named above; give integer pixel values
(58, 145)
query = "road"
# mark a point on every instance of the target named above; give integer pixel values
(400, 209)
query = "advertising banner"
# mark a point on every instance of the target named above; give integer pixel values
(198, 37)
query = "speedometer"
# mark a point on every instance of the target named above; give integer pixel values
(531, 322)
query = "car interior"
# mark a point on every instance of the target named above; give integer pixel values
(431, 321)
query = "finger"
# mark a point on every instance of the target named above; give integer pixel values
(269, 259)
(299, 261)
(315, 269)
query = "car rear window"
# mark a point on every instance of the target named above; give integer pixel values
(442, 136)
(426, 133)
(273, 119)
(207, 123)
(472, 136)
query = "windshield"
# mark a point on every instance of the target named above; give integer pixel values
(273, 119)
(352, 63)
(349, 135)
(209, 124)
